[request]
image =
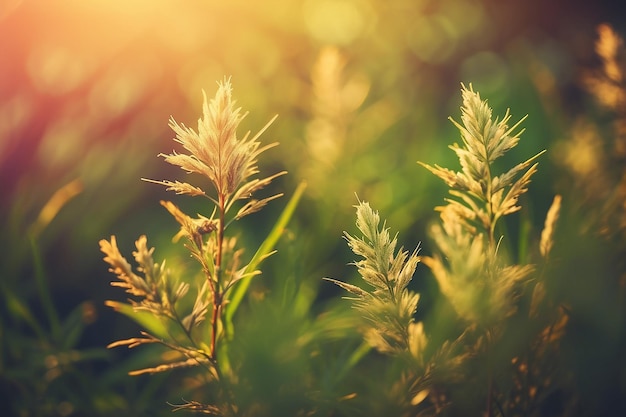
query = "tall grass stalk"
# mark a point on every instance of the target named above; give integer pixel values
(228, 164)
(471, 268)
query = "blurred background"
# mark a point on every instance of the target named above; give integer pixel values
(363, 90)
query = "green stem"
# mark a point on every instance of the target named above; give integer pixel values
(217, 289)
(44, 290)
(218, 299)
(214, 319)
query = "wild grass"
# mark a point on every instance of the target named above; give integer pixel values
(228, 163)
(501, 356)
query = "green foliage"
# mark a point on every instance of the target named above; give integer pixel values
(475, 277)
(227, 162)
(45, 369)
(522, 303)
(472, 265)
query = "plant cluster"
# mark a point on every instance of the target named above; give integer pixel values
(228, 163)
(470, 270)
(501, 358)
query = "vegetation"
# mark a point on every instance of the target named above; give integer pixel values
(510, 301)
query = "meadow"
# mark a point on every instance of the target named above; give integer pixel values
(312, 208)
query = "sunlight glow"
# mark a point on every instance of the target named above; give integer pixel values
(55, 70)
(336, 22)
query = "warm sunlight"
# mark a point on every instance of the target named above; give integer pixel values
(345, 208)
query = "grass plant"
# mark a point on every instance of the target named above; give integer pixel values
(501, 356)
(228, 163)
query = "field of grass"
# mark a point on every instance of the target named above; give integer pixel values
(433, 225)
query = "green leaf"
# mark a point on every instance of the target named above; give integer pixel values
(18, 309)
(45, 297)
(266, 247)
(147, 320)
(72, 327)
(356, 356)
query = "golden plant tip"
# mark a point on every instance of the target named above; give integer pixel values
(547, 234)
(420, 396)
(130, 343)
(348, 396)
(113, 304)
(214, 150)
(59, 199)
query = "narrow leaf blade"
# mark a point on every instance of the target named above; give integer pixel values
(266, 247)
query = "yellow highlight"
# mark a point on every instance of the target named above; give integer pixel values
(336, 22)
(52, 207)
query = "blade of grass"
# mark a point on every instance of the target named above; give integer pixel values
(49, 211)
(356, 356)
(266, 247)
(147, 320)
(20, 310)
(43, 290)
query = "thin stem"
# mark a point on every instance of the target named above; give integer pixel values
(214, 319)
(220, 235)
(217, 290)
(187, 332)
(489, 195)
(225, 386)
(43, 290)
(218, 299)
